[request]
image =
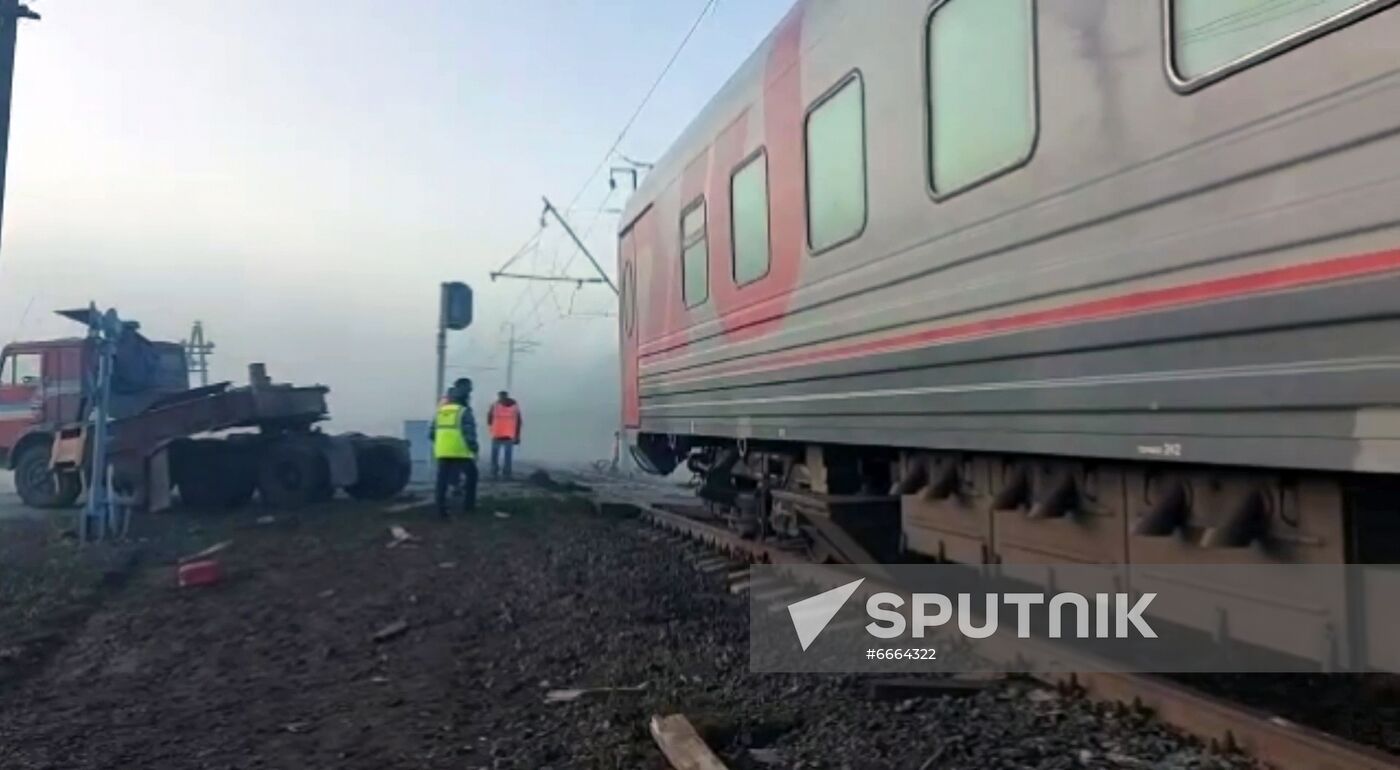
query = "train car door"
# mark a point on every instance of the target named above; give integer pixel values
(627, 323)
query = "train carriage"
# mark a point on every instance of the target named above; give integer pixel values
(1045, 282)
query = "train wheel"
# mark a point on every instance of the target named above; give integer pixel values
(293, 475)
(383, 473)
(37, 483)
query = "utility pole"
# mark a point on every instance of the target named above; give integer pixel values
(197, 352)
(11, 11)
(514, 348)
(439, 389)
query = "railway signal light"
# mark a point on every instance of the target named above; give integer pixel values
(456, 305)
(455, 314)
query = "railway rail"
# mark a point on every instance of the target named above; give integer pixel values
(1268, 738)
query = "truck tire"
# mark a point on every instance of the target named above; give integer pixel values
(293, 475)
(383, 472)
(212, 474)
(37, 484)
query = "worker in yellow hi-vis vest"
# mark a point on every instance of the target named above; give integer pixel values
(455, 447)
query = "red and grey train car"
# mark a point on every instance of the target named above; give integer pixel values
(1037, 282)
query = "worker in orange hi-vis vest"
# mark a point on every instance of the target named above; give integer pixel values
(505, 422)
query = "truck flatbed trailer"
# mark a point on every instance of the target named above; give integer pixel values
(279, 454)
(214, 447)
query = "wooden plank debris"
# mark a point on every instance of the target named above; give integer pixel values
(206, 553)
(408, 506)
(395, 629)
(567, 696)
(401, 536)
(683, 747)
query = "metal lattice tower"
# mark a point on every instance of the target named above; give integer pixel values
(197, 352)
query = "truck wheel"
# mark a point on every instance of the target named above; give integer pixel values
(38, 485)
(383, 473)
(212, 474)
(293, 475)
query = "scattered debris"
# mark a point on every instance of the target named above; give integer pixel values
(401, 536)
(206, 553)
(932, 761)
(200, 573)
(543, 480)
(408, 505)
(1039, 695)
(683, 747)
(391, 631)
(502, 515)
(769, 757)
(567, 696)
(921, 687)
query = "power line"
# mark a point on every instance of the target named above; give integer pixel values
(532, 243)
(704, 11)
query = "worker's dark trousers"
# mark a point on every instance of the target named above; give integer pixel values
(448, 473)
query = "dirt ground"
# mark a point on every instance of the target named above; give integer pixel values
(113, 666)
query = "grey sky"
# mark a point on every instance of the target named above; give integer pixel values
(300, 175)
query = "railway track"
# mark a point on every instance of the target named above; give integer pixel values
(1267, 738)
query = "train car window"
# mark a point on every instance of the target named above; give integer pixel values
(1212, 38)
(981, 81)
(749, 201)
(836, 185)
(695, 255)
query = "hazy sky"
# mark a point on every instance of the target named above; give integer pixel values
(300, 175)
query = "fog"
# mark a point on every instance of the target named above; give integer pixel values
(301, 176)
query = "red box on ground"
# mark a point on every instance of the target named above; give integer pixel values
(200, 573)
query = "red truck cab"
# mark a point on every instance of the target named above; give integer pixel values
(44, 385)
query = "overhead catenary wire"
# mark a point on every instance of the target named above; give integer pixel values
(531, 245)
(646, 98)
(549, 291)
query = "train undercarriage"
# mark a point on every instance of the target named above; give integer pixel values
(869, 505)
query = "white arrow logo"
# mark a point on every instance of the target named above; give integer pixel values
(810, 616)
